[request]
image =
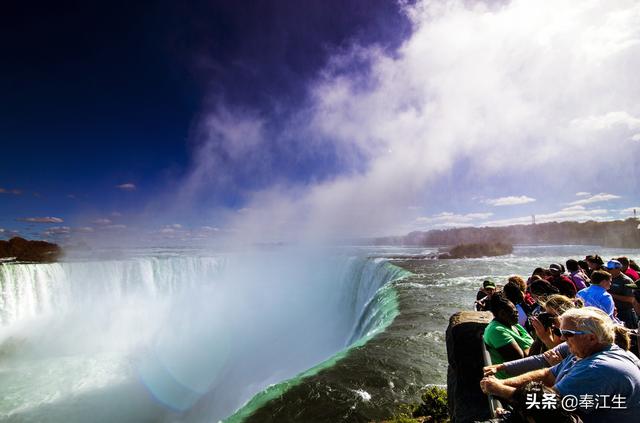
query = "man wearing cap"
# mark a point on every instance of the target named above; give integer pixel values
(622, 294)
(560, 281)
(484, 295)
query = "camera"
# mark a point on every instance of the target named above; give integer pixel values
(547, 319)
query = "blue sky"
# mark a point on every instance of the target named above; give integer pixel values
(332, 119)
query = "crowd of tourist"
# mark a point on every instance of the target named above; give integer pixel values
(564, 343)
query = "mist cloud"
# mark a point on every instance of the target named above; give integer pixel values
(494, 92)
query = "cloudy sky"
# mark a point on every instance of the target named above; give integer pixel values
(319, 119)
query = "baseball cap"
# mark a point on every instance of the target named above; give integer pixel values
(555, 267)
(488, 284)
(614, 264)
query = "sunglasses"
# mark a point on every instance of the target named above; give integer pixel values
(566, 333)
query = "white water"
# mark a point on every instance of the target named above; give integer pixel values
(131, 340)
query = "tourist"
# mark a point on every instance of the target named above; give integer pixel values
(596, 295)
(528, 299)
(505, 339)
(594, 262)
(538, 273)
(576, 275)
(560, 281)
(550, 357)
(548, 349)
(584, 267)
(513, 293)
(623, 296)
(596, 369)
(545, 323)
(484, 295)
(624, 261)
(533, 362)
(540, 289)
(636, 293)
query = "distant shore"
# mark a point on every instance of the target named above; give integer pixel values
(614, 234)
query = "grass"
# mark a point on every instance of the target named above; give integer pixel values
(433, 408)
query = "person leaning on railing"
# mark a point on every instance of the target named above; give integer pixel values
(505, 339)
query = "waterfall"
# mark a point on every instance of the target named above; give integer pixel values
(29, 291)
(202, 334)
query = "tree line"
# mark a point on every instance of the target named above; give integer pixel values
(618, 233)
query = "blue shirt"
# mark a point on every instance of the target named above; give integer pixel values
(606, 375)
(597, 296)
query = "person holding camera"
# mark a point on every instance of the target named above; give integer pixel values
(544, 322)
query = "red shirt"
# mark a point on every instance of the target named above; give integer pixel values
(632, 274)
(564, 285)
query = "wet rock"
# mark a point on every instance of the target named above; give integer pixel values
(481, 249)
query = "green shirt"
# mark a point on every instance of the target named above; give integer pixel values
(497, 335)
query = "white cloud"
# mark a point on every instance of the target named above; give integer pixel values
(582, 194)
(116, 227)
(636, 137)
(574, 208)
(509, 201)
(127, 187)
(57, 230)
(102, 221)
(448, 219)
(575, 213)
(173, 228)
(84, 229)
(607, 121)
(598, 198)
(47, 219)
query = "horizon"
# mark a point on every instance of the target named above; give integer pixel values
(167, 124)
